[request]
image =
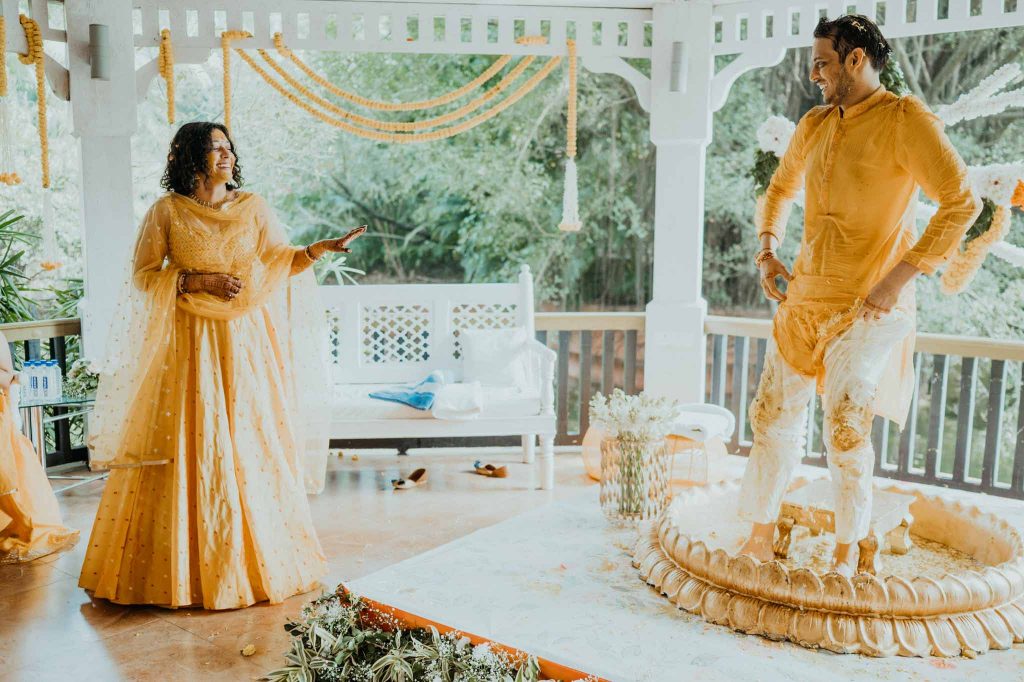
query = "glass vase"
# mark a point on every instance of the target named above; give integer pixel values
(635, 478)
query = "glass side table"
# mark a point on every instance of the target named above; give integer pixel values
(34, 422)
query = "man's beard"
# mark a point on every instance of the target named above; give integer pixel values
(841, 89)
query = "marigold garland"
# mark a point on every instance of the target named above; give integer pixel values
(570, 195)
(408, 138)
(6, 177)
(225, 45)
(964, 265)
(36, 56)
(402, 126)
(1018, 195)
(570, 128)
(165, 61)
(447, 98)
(3, 57)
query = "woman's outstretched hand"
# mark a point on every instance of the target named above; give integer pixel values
(339, 245)
(216, 283)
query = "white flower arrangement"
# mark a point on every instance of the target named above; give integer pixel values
(638, 417)
(82, 379)
(985, 99)
(774, 134)
(996, 182)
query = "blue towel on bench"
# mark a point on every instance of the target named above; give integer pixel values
(420, 395)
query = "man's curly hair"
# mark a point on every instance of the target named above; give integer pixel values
(851, 31)
(187, 157)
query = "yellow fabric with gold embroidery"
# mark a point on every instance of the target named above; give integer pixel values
(208, 414)
(861, 167)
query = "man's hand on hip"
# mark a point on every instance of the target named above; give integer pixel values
(771, 269)
(884, 295)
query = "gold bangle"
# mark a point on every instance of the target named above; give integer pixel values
(763, 255)
(310, 256)
(181, 283)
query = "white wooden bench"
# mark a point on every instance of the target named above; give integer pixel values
(384, 335)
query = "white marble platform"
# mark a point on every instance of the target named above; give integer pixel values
(557, 581)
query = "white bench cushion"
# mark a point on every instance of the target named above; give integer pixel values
(352, 402)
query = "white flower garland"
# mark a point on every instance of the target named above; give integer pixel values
(983, 100)
(996, 182)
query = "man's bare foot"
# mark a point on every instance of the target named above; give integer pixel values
(758, 547)
(844, 560)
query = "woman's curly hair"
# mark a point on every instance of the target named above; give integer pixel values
(187, 157)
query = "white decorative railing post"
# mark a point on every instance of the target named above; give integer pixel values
(681, 71)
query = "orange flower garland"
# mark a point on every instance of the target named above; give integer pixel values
(407, 138)
(570, 195)
(447, 98)
(1018, 196)
(36, 56)
(403, 126)
(225, 45)
(165, 61)
(6, 177)
(964, 265)
(3, 57)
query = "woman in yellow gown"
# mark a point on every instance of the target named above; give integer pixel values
(30, 525)
(211, 406)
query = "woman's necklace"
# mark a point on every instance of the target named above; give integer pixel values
(210, 204)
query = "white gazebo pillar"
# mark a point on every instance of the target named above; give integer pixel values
(681, 71)
(104, 116)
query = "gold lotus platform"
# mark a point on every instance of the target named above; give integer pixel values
(958, 591)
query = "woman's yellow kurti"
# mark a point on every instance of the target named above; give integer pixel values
(861, 167)
(202, 423)
(23, 478)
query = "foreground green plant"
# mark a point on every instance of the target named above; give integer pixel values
(14, 306)
(340, 638)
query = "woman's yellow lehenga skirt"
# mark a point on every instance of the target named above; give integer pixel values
(225, 523)
(23, 478)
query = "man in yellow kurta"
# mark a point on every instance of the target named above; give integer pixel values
(845, 322)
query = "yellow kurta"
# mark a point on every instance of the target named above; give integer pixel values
(861, 167)
(23, 479)
(205, 504)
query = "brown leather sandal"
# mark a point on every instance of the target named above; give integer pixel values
(490, 470)
(418, 477)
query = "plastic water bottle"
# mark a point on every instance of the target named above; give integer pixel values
(32, 380)
(58, 381)
(45, 380)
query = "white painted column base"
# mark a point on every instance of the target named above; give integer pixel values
(674, 349)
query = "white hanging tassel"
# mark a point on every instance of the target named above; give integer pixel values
(571, 194)
(570, 200)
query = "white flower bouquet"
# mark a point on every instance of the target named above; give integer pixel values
(635, 474)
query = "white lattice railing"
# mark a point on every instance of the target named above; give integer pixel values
(745, 24)
(396, 27)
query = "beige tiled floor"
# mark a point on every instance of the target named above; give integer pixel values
(52, 630)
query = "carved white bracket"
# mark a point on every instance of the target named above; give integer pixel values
(60, 79)
(145, 74)
(768, 55)
(640, 83)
